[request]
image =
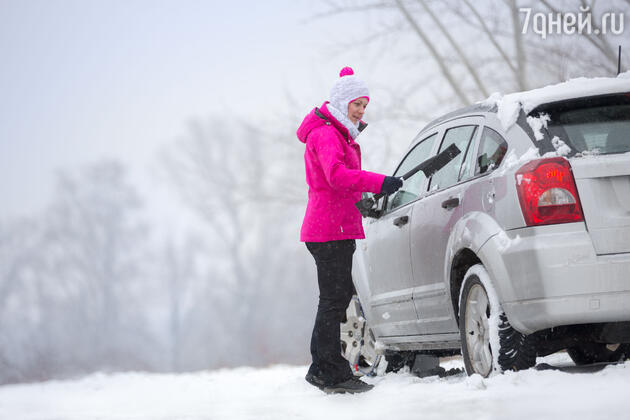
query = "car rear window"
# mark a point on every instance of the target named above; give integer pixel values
(603, 129)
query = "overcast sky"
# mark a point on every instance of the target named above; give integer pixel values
(81, 80)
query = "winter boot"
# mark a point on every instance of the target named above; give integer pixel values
(351, 386)
(315, 380)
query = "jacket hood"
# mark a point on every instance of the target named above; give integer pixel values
(313, 121)
(310, 122)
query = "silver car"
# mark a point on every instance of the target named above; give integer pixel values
(518, 248)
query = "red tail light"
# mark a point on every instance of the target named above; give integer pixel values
(547, 192)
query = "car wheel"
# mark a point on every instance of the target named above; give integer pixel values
(588, 353)
(485, 330)
(358, 344)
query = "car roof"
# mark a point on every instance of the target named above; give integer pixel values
(570, 91)
(462, 112)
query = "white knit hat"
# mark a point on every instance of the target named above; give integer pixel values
(346, 89)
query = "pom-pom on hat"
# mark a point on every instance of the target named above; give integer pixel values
(346, 71)
(346, 89)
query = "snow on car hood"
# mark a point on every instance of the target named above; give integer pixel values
(509, 106)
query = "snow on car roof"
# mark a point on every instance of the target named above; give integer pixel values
(509, 106)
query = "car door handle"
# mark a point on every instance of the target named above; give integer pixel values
(450, 203)
(400, 221)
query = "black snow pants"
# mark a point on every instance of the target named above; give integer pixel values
(334, 266)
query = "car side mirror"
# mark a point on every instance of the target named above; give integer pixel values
(369, 207)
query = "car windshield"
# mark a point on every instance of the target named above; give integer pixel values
(594, 130)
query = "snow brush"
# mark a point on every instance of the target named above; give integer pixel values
(429, 167)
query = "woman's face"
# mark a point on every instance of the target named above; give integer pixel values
(356, 109)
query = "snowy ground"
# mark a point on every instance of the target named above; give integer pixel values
(280, 392)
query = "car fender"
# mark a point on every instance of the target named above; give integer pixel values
(471, 232)
(492, 255)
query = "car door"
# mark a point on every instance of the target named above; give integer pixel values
(482, 195)
(434, 217)
(387, 249)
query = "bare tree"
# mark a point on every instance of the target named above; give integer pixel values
(73, 295)
(434, 53)
(181, 268)
(243, 183)
(20, 260)
(486, 49)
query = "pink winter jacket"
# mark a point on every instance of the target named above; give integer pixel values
(335, 180)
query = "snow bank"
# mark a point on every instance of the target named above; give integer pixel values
(280, 393)
(510, 105)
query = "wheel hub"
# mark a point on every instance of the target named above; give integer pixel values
(357, 341)
(477, 327)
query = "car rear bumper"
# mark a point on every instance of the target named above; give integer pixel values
(539, 314)
(550, 276)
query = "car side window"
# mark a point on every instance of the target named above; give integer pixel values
(450, 174)
(492, 150)
(411, 187)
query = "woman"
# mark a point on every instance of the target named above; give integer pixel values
(332, 222)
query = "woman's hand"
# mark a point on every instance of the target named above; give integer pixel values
(391, 184)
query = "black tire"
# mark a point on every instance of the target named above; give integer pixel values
(516, 351)
(589, 353)
(523, 355)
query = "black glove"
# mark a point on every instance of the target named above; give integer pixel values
(391, 185)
